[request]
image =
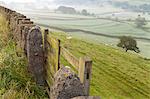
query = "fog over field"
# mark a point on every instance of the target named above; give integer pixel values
(104, 22)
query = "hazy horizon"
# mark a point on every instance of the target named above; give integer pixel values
(71, 2)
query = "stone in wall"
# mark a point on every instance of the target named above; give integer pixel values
(66, 85)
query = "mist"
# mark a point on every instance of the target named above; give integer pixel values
(114, 13)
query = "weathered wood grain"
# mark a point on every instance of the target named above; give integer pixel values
(53, 57)
(70, 58)
(84, 73)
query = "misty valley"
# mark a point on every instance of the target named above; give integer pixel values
(119, 23)
(75, 49)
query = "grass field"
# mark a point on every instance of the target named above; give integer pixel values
(116, 74)
(103, 26)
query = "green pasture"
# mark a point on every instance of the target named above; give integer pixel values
(115, 74)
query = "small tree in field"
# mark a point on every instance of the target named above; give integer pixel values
(128, 43)
(140, 21)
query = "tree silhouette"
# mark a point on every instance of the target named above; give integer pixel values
(128, 43)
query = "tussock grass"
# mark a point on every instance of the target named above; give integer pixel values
(15, 81)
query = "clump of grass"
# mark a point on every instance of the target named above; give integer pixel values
(15, 81)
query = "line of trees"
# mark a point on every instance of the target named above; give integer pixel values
(71, 10)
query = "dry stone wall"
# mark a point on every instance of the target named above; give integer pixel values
(66, 84)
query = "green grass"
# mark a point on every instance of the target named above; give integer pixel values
(15, 81)
(116, 74)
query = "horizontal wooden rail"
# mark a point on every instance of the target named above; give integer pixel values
(70, 58)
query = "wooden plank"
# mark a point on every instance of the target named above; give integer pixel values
(70, 58)
(35, 55)
(48, 66)
(49, 74)
(49, 77)
(53, 41)
(46, 31)
(54, 51)
(53, 57)
(85, 67)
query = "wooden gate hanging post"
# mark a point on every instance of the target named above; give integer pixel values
(52, 47)
(46, 31)
(35, 55)
(84, 72)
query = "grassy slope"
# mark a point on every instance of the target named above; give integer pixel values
(116, 74)
(15, 83)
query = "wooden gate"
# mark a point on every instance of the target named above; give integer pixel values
(53, 56)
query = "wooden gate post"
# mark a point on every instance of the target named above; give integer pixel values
(46, 31)
(84, 72)
(35, 54)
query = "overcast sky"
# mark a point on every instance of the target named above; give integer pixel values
(8, 1)
(40, 0)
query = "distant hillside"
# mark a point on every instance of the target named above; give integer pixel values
(133, 5)
(82, 2)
